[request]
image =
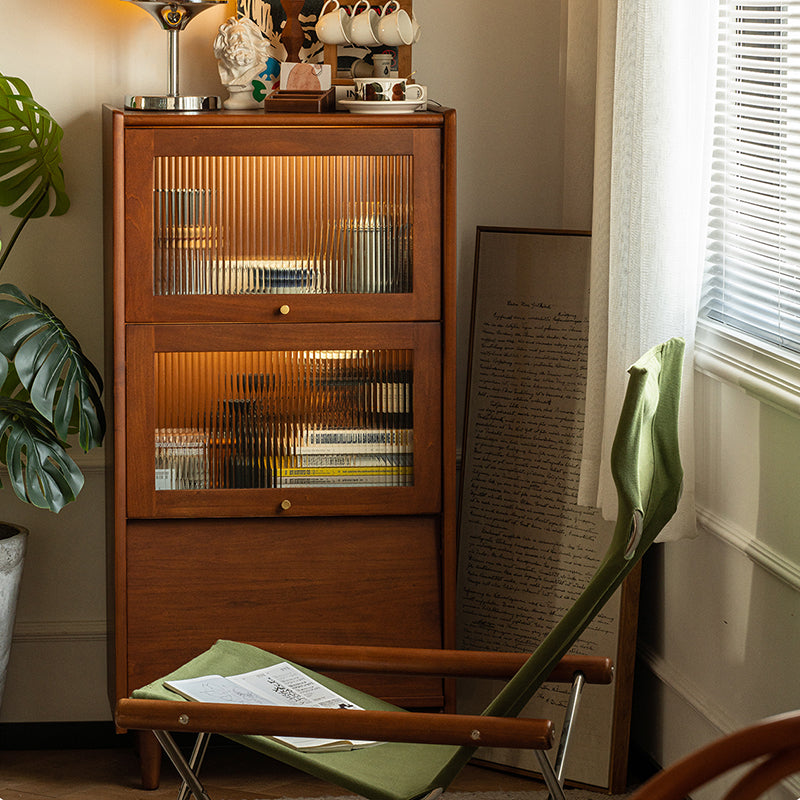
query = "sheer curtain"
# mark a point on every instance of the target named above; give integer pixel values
(655, 65)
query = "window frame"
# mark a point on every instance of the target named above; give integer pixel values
(764, 372)
(764, 369)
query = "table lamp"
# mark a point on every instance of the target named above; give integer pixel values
(173, 16)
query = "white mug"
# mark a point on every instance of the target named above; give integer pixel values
(415, 27)
(361, 69)
(364, 26)
(333, 27)
(395, 27)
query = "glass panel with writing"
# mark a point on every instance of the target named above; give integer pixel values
(231, 225)
(273, 419)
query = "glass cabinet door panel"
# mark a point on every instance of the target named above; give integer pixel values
(344, 422)
(334, 228)
(231, 225)
(273, 419)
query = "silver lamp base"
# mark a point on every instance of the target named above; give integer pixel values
(173, 16)
(174, 102)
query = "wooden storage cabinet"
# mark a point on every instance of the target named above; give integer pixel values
(281, 337)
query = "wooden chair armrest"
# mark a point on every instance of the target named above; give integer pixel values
(441, 663)
(334, 723)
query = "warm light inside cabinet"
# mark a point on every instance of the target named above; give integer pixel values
(282, 224)
(270, 419)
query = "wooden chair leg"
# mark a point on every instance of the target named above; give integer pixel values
(149, 759)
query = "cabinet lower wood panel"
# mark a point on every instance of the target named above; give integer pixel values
(338, 580)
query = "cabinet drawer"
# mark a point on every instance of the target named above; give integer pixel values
(277, 225)
(343, 581)
(304, 420)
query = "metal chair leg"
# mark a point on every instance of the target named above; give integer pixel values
(184, 770)
(195, 762)
(578, 682)
(549, 775)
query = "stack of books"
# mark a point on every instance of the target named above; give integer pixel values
(322, 418)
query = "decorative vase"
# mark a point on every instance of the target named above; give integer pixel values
(13, 539)
(292, 34)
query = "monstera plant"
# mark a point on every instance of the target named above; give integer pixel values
(49, 390)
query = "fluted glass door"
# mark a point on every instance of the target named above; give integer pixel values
(273, 419)
(235, 225)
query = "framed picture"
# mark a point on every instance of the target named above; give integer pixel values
(526, 548)
(273, 16)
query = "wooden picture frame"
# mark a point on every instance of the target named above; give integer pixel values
(526, 549)
(270, 14)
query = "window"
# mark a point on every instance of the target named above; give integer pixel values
(753, 257)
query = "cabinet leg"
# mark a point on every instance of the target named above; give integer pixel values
(149, 759)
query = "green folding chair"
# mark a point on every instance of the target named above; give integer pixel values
(421, 752)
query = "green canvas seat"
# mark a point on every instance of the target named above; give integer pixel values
(379, 772)
(647, 472)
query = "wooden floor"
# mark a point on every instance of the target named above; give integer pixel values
(229, 773)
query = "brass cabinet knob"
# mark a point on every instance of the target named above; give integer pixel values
(284, 309)
(286, 505)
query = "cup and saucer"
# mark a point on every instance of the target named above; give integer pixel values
(383, 106)
(385, 96)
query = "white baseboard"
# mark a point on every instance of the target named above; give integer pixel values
(718, 719)
(57, 673)
(64, 631)
(677, 715)
(680, 700)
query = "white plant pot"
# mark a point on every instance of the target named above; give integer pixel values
(13, 539)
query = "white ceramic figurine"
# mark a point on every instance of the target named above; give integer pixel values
(248, 63)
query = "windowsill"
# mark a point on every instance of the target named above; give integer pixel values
(759, 370)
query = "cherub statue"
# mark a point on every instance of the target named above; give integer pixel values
(248, 62)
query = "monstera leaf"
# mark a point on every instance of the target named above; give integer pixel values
(40, 470)
(49, 391)
(31, 177)
(64, 386)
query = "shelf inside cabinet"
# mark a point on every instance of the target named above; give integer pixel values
(280, 419)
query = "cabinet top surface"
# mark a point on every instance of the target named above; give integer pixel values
(259, 117)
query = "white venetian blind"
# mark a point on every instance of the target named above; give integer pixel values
(753, 258)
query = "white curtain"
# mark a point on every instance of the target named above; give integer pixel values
(655, 65)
